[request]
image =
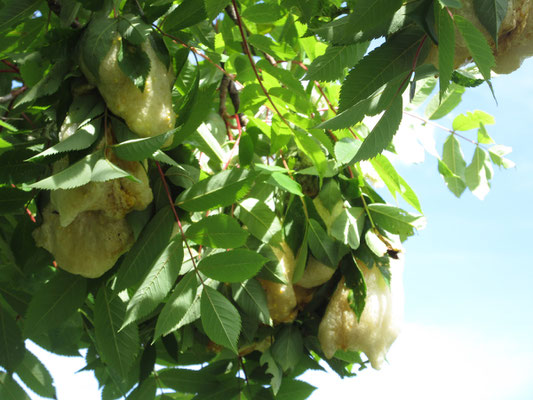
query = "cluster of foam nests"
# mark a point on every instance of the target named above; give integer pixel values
(340, 329)
(515, 36)
(85, 228)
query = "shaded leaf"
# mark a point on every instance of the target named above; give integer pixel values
(133, 28)
(348, 226)
(287, 348)
(10, 389)
(395, 220)
(251, 297)
(12, 350)
(446, 50)
(331, 65)
(35, 375)
(139, 149)
(188, 13)
(260, 220)
(135, 63)
(293, 389)
(220, 319)
(491, 13)
(217, 231)
(15, 11)
(13, 200)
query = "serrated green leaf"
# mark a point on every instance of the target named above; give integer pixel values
(441, 105)
(93, 167)
(392, 59)
(160, 156)
(369, 14)
(145, 391)
(139, 149)
(215, 7)
(323, 247)
(13, 200)
(133, 28)
(135, 63)
(96, 42)
(220, 319)
(331, 65)
(235, 265)
(483, 136)
(284, 182)
(282, 51)
(217, 231)
(118, 349)
(15, 11)
(9, 127)
(54, 303)
(11, 344)
(293, 389)
(47, 85)
(153, 240)
(183, 306)
(310, 147)
(10, 389)
(219, 190)
(284, 76)
(287, 348)
(472, 120)
(497, 155)
(260, 220)
(394, 182)
(395, 220)
(348, 226)
(346, 149)
(263, 13)
(251, 297)
(453, 158)
(83, 138)
(187, 381)
(188, 13)
(477, 45)
(355, 282)
(35, 375)
(491, 13)
(157, 283)
(466, 79)
(446, 50)
(476, 175)
(381, 136)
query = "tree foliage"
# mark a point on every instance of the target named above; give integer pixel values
(285, 114)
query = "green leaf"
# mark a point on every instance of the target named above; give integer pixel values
(348, 226)
(135, 63)
(9, 127)
(322, 246)
(442, 105)
(47, 85)
(157, 283)
(392, 59)
(263, 13)
(215, 7)
(96, 42)
(394, 182)
(310, 147)
(346, 149)
(355, 282)
(464, 78)
(331, 65)
(232, 266)
(133, 29)
(220, 190)
(186, 380)
(188, 13)
(287, 348)
(251, 297)
(93, 167)
(83, 138)
(497, 155)
(284, 182)
(381, 136)
(491, 13)
(10, 389)
(35, 375)
(451, 3)
(183, 306)
(477, 45)
(220, 319)
(453, 159)
(260, 220)
(472, 120)
(395, 220)
(54, 303)
(293, 389)
(139, 149)
(15, 11)
(146, 390)
(12, 349)
(476, 174)
(147, 249)
(483, 136)
(446, 50)
(369, 14)
(118, 349)
(217, 231)
(268, 45)
(13, 200)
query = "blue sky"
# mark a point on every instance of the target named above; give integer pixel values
(468, 278)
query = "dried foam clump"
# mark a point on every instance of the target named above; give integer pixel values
(380, 321)
(147, 113)
(316, 273)
(281, 298)
(89, 246)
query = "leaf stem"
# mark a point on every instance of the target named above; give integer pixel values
(365, 206)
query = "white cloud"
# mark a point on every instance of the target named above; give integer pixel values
(438, 363)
